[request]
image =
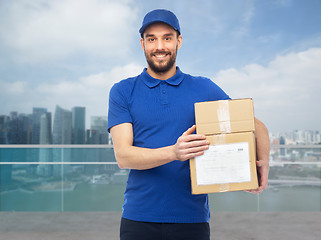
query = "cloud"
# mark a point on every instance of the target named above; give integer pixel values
(285, 92)
(15, 88)
(244, 21)
(44, 30)
(89, 91)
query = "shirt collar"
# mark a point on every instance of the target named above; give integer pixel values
(153, 82)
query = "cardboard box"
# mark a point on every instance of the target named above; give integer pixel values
(225, 116)
(230, 163)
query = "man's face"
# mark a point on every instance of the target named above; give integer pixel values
(160, 43)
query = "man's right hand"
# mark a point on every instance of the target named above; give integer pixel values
(190, 145)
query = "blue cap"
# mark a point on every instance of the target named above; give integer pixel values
(160, 15)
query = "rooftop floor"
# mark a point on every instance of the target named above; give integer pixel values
(105, 225)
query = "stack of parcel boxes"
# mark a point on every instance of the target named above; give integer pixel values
(230, 162)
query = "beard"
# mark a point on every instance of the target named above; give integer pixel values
(161, 66)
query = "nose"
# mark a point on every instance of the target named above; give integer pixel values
(160, 45)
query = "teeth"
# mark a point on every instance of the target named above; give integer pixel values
(160, 56)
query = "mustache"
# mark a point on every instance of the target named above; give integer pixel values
(161, 52)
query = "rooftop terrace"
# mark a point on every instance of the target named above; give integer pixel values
(105, 225)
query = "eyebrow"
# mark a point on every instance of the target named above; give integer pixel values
(165, 35)
(149, 35)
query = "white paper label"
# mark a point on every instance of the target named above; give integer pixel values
(226, 163)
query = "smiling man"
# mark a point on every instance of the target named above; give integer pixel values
(160, 45)
(151, 120)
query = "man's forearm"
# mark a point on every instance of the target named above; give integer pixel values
(262, 152)
(132, 157)
(262, 141)
(188, 145)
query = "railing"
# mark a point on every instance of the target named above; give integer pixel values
(87, 178)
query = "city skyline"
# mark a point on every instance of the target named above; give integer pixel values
(63, 127)
(71, 53)
(70, 128)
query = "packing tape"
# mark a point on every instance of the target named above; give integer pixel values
(224, 187)
(223, 114)
(219, 139)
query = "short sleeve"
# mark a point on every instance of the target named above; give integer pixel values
(118, 111)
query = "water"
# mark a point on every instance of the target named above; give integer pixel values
(297, 198)
(100, 187)
(109, 197)
(85, 197)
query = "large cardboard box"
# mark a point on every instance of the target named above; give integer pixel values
(230, 163)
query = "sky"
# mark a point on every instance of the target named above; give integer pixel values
(71, 52)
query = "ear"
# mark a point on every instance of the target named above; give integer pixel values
(179, 41)
(142, 43)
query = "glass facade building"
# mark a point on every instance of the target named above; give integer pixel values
(36, 119)
(78, 125)
(62, 126)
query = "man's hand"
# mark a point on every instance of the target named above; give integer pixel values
(190, 145)
(262, 153)
(263, 174)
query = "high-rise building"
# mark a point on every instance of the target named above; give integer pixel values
(282, 150)
(45, 154)
(62, 126)
(78, 125)
(25, 128)
(45, 129)
(3, 129)
(12, 128)
(36, 114)
(97, 135)
(98, 132)
(5, 170)
(15, 129)
(315, 137)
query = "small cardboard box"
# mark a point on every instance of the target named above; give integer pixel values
(225, 116)
(230, 163)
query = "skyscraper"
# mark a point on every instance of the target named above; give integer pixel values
(36, 114)
(62, 126)
(45, 155)
(45, 129)
(62, 135)
(13, 128)
(282, 150)
(78, 125)
(25, 128)
(99, 131)
(3, 129)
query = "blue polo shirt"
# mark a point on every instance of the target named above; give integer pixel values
(160, 111)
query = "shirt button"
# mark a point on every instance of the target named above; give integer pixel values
(163, 91)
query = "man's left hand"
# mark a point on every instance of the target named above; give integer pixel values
(263, 174)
